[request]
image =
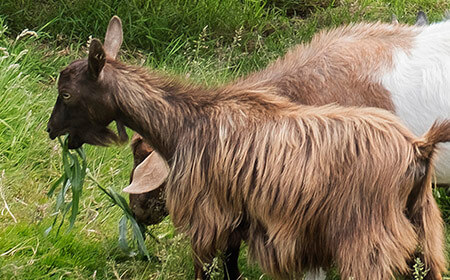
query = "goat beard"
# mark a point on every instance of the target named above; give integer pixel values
(99, 136)
(123, 136)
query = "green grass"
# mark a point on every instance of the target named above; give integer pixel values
(210, 41)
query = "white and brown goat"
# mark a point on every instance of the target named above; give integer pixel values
(313, 186)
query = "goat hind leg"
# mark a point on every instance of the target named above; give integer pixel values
(431, 237)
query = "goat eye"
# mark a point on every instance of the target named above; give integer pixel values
(66, 95)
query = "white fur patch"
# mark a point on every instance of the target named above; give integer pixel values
(420, 86)
(320, 274)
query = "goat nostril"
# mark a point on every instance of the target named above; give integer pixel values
(49, 129)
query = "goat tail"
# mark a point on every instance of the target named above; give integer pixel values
(423, 210)
(439, 132)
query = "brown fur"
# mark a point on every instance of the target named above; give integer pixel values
(341, 66)
(306, 200)
(330, 69)
(314, 185)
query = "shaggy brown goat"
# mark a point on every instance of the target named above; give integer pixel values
(313, 185)
(339, 63)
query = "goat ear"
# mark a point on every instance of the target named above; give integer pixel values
(113, 37)
(394, 19)
(149, 175)
(421, 19)
(96, 59)
(446, 15)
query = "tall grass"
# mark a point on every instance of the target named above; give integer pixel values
(209, 41)
(160, 26)
(151, 25)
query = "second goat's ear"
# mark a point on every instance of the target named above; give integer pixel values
(96, 59)
(149, 175)
(421, 19)
(394, 19)
(113, 37)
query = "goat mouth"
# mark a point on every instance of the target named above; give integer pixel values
(100, 136)
(54, 134)
(74, 141)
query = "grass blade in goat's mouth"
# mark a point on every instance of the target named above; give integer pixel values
(74, 173)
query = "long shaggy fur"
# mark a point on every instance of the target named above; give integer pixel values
(309, 182)
(311, 186)
(345, 66)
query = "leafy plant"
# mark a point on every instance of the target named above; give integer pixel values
(419, 272)
(75, 170)
(73, 179)
(137, 228)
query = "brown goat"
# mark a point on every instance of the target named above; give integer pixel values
(335, 66)
(313, 185)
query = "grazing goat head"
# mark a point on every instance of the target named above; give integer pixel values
(83, 109)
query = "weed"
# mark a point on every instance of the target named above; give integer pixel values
(419, 271)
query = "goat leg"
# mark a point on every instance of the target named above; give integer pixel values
(231, 268)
